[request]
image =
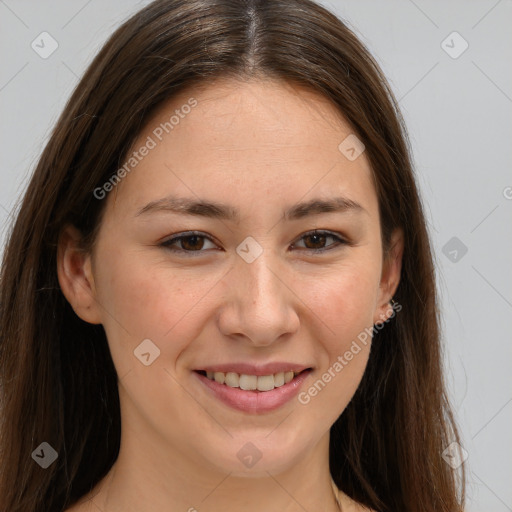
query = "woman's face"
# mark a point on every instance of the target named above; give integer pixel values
(252, 291)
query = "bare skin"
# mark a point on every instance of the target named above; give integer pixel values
(260, 147)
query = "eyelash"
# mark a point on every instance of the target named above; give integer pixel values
(167, 244)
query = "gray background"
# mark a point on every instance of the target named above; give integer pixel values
(458, 111)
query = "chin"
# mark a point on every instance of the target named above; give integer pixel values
(260, 454)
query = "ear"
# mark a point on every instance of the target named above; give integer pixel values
(75, 276)
(390, 277)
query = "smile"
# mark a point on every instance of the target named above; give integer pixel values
(253, 393)
(252, 382)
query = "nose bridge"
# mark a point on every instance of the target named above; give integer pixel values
(263, 301)
(256, 264)
(263, 285)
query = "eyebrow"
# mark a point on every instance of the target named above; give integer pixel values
(215, 210)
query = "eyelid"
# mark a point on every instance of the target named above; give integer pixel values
(185, 234)
(340, 241)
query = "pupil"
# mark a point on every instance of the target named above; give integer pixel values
(192, 245)
(317, 237)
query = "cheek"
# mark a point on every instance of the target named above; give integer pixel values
(329, 393)
(148, 301)
(345, 306)
(345, 301)
(346, 310)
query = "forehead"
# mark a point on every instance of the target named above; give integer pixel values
(262, 141)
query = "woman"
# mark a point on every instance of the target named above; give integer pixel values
(219, 292)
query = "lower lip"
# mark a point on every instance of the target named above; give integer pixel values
(255, 401)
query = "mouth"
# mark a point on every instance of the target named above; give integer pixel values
(251, 393)
(259, 383)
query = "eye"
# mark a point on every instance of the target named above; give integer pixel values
(194, 242)
(318, 238)
(190, 243)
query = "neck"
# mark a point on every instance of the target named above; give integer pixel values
(148, 478)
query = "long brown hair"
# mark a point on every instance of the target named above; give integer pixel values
(58, 381)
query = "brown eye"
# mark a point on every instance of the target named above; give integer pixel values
(188, 243)
(192, 243)
(316, 240)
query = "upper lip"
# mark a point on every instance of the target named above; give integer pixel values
(255, 369)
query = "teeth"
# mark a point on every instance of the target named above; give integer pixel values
(232, 380)
(278, 379)
(252, 382)
(265, 383)
(219, 377)
(248, 382)
(288, 376)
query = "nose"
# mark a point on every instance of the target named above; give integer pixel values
(260, 305)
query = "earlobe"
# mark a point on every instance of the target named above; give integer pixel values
(75, 276)
(390, 278)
